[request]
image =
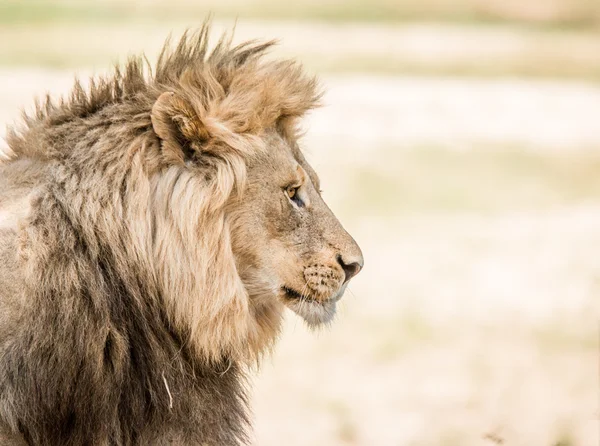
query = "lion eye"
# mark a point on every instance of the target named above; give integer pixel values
(291, 192)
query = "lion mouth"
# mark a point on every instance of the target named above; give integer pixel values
(314, 312)
(295, 295)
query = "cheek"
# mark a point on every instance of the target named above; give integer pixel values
(281, 219)
(294, 234)
(273, 234)
(255, 225)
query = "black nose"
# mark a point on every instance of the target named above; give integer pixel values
(351, 268)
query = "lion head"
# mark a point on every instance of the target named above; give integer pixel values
(192, 179)
(231, 125)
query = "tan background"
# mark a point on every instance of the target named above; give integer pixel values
(460, 144)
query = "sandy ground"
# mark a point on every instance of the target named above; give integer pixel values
(467, 326)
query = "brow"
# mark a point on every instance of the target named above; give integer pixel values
(312, 176)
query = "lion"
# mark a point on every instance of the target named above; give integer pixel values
(154, 226)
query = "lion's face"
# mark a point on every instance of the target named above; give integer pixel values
(289, 247)
(244, 231)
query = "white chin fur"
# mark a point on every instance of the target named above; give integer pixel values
(314, 314)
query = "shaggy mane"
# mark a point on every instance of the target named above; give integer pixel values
(234, 86)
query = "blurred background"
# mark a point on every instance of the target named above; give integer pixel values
(460, 144)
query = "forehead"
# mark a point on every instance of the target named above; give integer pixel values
(282, 158)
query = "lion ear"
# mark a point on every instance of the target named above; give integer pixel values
(177, 125)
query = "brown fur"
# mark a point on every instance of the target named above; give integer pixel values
(147, 249)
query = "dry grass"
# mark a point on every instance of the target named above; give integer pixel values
(573, 13)
(417, 48)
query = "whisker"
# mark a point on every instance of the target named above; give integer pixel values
(351, 292)
(304, 288)
(303, 300)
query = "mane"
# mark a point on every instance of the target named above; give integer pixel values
(234, 86)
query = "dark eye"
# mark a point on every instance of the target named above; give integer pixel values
(292, 193)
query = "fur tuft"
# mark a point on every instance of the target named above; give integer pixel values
(234, 89)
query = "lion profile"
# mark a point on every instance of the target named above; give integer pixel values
(153, 228)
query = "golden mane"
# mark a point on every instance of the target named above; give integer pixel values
(234, 88)
(222, 101)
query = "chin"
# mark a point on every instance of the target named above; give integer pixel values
(314, 312)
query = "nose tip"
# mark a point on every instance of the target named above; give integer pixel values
(351, 267)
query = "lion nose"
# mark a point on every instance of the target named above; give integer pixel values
(351, 267)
